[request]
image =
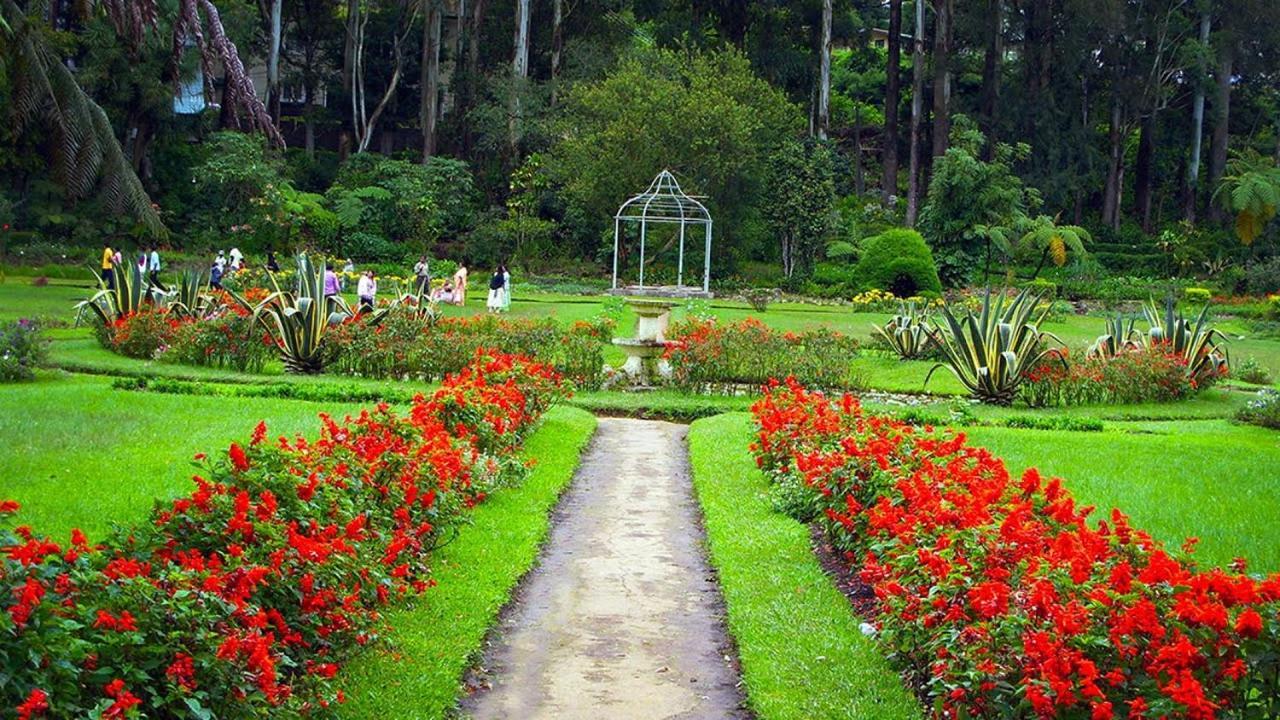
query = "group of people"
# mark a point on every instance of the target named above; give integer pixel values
(148, 264)
(453, 291)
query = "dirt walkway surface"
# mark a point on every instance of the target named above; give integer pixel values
(622, 618)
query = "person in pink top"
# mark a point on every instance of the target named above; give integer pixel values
(330, 281)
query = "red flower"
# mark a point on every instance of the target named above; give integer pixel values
(36, 704)
(238, 458)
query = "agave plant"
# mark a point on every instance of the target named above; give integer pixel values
(298, 319)
(1118, 338)
(908, 332)
(125, 297)
(417, 299)
(1196, 342)
(190, 298)
(990, 352)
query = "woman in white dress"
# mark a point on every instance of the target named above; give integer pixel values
(506, 290)
(496, 291)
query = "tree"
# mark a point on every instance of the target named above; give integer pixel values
(824, 73)
(800, 192)
(892, 97)
(968, 196)
(944, 13)
(1054, 242)
(519, 71)
(704, 115)
(917, 116)
(429, 108)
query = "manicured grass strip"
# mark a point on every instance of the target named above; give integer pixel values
(76, 453)
(1205, 478)
(802, 653)
(434, 641)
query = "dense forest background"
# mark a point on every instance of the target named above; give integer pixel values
(1009, 132)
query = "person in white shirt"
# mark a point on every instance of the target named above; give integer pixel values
(221, 262)
(423, 272)
(367, 290)
(153, 265)
(237, 259)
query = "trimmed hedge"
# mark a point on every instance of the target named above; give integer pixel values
(899, 261)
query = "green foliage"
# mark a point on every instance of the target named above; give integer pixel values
(705, 114)
(899, 261)
(22, 350)
(800, 187)
(1251, 371)
(991, 352)
(1197, 295)
(1251, 190)
(908, 333)
(970, 200)
(1263, 410)
(1050, 240)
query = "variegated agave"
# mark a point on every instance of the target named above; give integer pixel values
(190, 298)
(1118, 338)
(991, 351)
(126, 297)
(908, 333)
(1202, 346)
(298, 319)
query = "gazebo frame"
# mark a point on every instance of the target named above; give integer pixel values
(664, 202)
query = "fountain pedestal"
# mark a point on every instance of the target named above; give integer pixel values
(644, 352)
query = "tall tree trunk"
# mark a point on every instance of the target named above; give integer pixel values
(1143, 176)
(429, 108)
(991, 73)
(474, 32)
(943, 10)
(1221, 123)
(824, 73)
(1115, 167)
(1190, 191)
(519, 72)
(346, 139)
(892, 98)
(859, 179)
(308, 116)
(917, 111)
(557, 48)
(273, 59)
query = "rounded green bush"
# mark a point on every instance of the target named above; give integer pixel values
(898, 260)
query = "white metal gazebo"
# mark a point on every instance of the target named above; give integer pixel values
(664, 202)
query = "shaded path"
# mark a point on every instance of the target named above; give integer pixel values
(622, 618)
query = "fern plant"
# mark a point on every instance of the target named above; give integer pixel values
(908, 333)
(1054, 241)
(1251, 190)
(991, 351)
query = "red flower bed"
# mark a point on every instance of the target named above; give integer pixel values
(997, 596)
(244, 598)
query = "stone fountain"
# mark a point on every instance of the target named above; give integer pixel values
(645, 365)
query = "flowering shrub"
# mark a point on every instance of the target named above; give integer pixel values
(229, 338)
(405, 344)
(140, 334)
(21, 349)
(1263, 410)
(1132, 375)
(244, 598)
(997, 596)
(704, 353)
(875, 300)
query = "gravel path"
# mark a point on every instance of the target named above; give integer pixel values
(622, 618)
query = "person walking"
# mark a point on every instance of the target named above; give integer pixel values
(215, 276)
(272, 264)
(423, 272)
(108, 266)
(153, 265)
(221, 262)
(506, 290)
(367, 290)
(331, 287)
(460, 285)
(237, 259)
(494, 303)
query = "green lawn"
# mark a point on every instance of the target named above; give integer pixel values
(802, 653)
(1205, 478)
(80, 454)
(433, 642)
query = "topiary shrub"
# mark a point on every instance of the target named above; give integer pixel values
(899, 261)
